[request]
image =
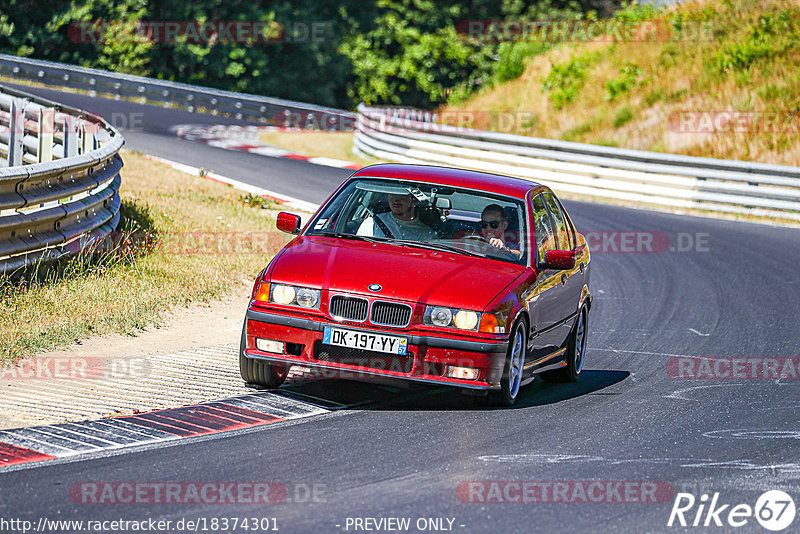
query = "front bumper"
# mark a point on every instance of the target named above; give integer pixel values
(426, 359)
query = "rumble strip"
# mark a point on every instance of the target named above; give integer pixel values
(48, 442)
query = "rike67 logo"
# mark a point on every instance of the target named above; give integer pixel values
(774, 510)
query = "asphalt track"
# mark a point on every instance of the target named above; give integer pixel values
(735, 295)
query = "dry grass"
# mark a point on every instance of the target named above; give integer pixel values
(336, 145)
(761, 76)
(124, 292)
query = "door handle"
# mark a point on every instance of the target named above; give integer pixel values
(563, 279)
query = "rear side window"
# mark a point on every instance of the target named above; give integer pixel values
(545, 239)
(563, 234)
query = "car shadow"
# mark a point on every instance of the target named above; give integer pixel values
(541, 393)
(382, 394)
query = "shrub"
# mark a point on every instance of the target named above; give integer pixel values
(623, 116)
(566, 79)
(512, 59)
(628, 78)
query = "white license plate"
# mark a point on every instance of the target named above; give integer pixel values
(364, 340)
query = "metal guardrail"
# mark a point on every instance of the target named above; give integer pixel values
(59, 179)
(668, 180)
(275, 111)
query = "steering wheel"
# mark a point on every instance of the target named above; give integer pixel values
(476, 241)
(476, 238)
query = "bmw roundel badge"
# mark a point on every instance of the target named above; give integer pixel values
(374, 287)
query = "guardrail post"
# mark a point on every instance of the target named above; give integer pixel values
(70, 136)
(47, 126)
(88, 141)
(16, 132)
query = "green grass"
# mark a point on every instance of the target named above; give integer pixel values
(182, 240)
(710, 56)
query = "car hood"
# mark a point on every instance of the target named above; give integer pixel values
(404, 273)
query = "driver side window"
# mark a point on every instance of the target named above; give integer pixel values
(545, 239)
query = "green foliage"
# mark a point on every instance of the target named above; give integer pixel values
(565, 80)
(667, 56)
(380, 51)
(678, 95)
(773, 35)
(123, 49)
(575, 133)
(624, 114)
(296, 66)
(783, 93)
(629, 76)
(413, 55)
(256, 201)
(635, 12)
(513, 59)
(654, 96)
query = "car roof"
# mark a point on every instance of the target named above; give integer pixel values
(482, 181)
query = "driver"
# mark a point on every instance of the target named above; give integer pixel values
(493, 229)
(399, 223)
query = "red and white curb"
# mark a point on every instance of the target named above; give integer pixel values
(49, 442)
(246, 139)
(285, 200)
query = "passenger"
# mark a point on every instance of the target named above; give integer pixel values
(493, 229)
(399, 223)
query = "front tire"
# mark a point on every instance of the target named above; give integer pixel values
(259, 372)
(576, 350)
(512, 371)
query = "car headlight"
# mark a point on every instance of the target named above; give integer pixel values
(451, 318)
(307, 298)
(282, 294)
(441, 316)
(304, 297)
(466, 320)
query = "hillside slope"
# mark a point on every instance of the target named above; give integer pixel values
(716, 78)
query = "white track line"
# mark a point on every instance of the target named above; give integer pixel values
(236, 184)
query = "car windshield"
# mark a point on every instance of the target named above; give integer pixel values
(462, 221)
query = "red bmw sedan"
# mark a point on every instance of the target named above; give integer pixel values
(425, 274)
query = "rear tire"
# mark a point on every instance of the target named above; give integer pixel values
(576, 350)
(259, 373)
(512, 370)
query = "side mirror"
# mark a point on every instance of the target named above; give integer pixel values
(288, 222)
(561, 260)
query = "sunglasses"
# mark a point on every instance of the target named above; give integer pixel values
(493, 224)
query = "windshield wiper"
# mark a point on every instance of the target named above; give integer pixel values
(356, 237)
(438, 246)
